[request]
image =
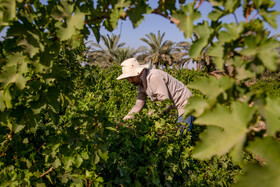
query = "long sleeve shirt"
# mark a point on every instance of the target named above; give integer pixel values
(159, 86)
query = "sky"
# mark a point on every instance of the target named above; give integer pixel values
(154, 23)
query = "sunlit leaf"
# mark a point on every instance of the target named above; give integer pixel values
(204, 32)
(2, 104)
(10, 75)
(186, 17)
(8, 12)
(232, 131)
(56, 163)
(268, 54)
(17, 127)
(267, 175)
(117, 12)
(78, 161)
(73, 23)
(217, 52)
(212, 87)
(231, 33)
(270, 17)
(272, 114)
(264, 49)
(196, 105)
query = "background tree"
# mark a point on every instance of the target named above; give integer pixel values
(122, 54)
(181, 54)
(106, 56)
(158, 52)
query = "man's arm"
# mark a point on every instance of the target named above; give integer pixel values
(141, 98)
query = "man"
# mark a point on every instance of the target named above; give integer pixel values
(156, 84)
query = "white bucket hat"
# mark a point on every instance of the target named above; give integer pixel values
(131, 68)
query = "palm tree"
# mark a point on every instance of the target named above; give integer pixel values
(105, 56)
(122, 54)
(181, 54)
(159, 52)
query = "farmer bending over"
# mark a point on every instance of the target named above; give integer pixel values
(158, 85)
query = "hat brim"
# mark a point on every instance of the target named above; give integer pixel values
(133, 73)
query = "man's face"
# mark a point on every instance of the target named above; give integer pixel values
(136, 81)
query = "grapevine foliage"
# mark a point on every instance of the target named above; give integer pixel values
(58, 125)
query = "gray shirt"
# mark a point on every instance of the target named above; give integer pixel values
(159, 86)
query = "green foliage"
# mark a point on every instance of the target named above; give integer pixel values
(269, 87)
(268, 149)
(187, 15)
(58, 119)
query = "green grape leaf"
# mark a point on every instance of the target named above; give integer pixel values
(73, 23)
(117, 12)
(263, 48)
(231, 33)
(250, 48)
(103, 155)
(270, 17)
(230, 6)
(216, 2)
(216, 14)
(231, 134)
(268, 175)
(196, 106)
(78, 161)
(268, 54)
(30, 49)
(186, 17)
(68, 162)
(32, 43)
(85, 155)
(169, 5)
(17, 60)
(96, 158)
(8, 12)
(56, 163)
(14, 59)
(217, 51)
(17, 128)
(2, 104)
(204, 31)
(212, 87)
(7, 98)
(66, 9)
(264, 3)
(53, 99)
(242, 72)
(136, 14)
(10, 75)
(272, 114)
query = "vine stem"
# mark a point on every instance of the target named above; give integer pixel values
(254, 17)
(167, 17)
(235, 17)
(199, 3)
(41, 146)
(43, 174)
(6, 144)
